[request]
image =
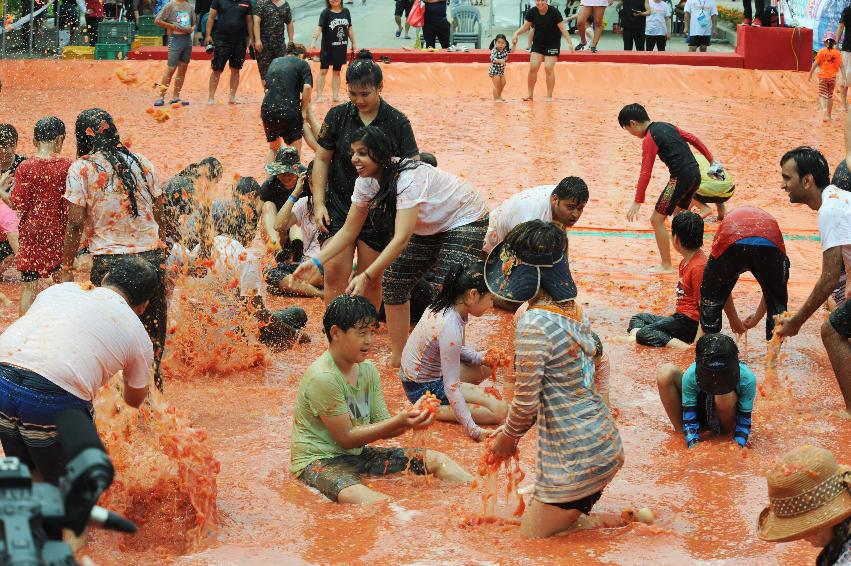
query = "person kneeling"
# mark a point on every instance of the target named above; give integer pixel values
(436, 360)
(340, 410)
(57, 356)
(716, 392)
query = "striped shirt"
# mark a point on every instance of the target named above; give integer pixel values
(579, 448)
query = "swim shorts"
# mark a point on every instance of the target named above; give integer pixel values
(678, 193)
(583, 505)
(415, 390)
(333, 475)
(281, 120)
(179, 49)
(840, 319)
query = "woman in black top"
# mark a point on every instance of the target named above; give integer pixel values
(546, 43)
(335, 27)
(633, 20)
(333, 169)
(435, 24)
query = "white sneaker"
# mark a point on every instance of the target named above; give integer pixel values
(452, 48)
(465, 48)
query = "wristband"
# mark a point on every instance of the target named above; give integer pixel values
(318, 265)
(292, 199)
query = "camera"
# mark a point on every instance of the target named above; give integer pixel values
(33, 514)
(209, 48)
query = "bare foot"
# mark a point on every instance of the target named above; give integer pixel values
(233, 101)
(528, 99)
(662, 269)
(336, 99)
(548, 99)
(211, 101)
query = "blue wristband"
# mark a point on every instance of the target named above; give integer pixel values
(292, 198)
(318, 265)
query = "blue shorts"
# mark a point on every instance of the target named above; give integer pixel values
(29, 405)
(416, 390)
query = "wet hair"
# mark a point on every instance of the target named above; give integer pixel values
(296, 49)
(237, 221)
(632, 112)
(48, 129)
(135, 277)
(8, 135)
(210, 166)
(428, 158)
(380, 151)
(687, 226)
(246, 186)
(177, 192)
(458, 281)
(95, 131)
(363, 71)
(347, 311)
(535, 236)
(809, 161)
(837, 545)
(841, 176)
(502, 37)
(573, 188)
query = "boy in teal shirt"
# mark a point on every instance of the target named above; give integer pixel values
(340, 409)
(716, 392)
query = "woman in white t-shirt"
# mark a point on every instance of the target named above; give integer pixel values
(658, 27)
(439, 220)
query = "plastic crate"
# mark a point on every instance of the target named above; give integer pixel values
(78, 52)
(147, 41)
(111, 51)
(116, 32)
(147, 27)
(146, 20)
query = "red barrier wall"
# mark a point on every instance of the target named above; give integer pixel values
(787, 49)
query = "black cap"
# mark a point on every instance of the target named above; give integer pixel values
(717, 364)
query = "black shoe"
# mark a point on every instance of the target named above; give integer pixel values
(593, 49)
(580, 47)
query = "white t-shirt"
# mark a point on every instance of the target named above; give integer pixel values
(445, 201)
(79, 338)
(701, 11)
(309, 232)
(834, 222)
(234, 261)
(659, 10)
(531, 204)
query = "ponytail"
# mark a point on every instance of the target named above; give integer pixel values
(458, 281)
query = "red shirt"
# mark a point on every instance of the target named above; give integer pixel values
(746, 222)
(37, 197)
(688, 287)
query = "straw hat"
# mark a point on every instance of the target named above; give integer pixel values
(808, 492)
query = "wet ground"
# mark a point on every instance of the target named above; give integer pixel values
(706, 500)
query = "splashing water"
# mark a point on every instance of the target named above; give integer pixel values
(773, 388)
(164, 468)
(488, 470)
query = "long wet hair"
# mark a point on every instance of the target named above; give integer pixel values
(95, 132)
(831, 552)
(210, 167)
(363, 71)
(379, 149)
(458, 281)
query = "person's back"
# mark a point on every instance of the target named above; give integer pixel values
(746, 222)
(78, 336)
(286, 78)
(673, 148)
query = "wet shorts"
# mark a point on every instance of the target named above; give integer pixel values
(231, 52)
(678, 194)
(548, 50)
(710, 199)
(840, 319)
(583, 505)
(826, 87)
(281, 120)
(416, 390)
(179, 49)
(335, 58)
(333, 475)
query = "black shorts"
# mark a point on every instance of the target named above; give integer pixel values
(840, 319)
(335, 59)
(678, 193)
(710, 200)
(699, 40)
(231, 52)
(403, 7)
(333, 475)
(583, 505)
(656, 331)
(374, 234)
(281, 120)
(547, 50)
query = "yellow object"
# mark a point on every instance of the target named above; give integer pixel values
(147, 41)
(710, 187)
(78, 52)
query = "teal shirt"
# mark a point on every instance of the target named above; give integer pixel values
(745, 390)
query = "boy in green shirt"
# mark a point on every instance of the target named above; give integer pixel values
(340, 409)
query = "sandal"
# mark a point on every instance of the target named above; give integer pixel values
(179, 101)
(159, 102)
(384, 59)
(580, 47)
(593, 49)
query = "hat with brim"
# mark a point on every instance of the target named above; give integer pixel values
(518, 278)
(809, 492)
(286, 161)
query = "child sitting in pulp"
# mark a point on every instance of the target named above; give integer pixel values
(436, 360)
(340, 410)
(499, 58)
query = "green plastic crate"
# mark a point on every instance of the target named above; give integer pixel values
(148, 27)
(111, 51)
(146, 20)
(112, 33)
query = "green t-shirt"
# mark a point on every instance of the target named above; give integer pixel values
(324, 391)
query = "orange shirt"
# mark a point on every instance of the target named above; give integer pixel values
(828, 62)
(688, 287)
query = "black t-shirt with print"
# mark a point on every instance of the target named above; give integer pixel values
(335, 29)
(230, 19)
(545, 25)
(846, 21)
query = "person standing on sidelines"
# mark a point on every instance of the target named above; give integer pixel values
(230, 29)
(271, 19)
(335, 28)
